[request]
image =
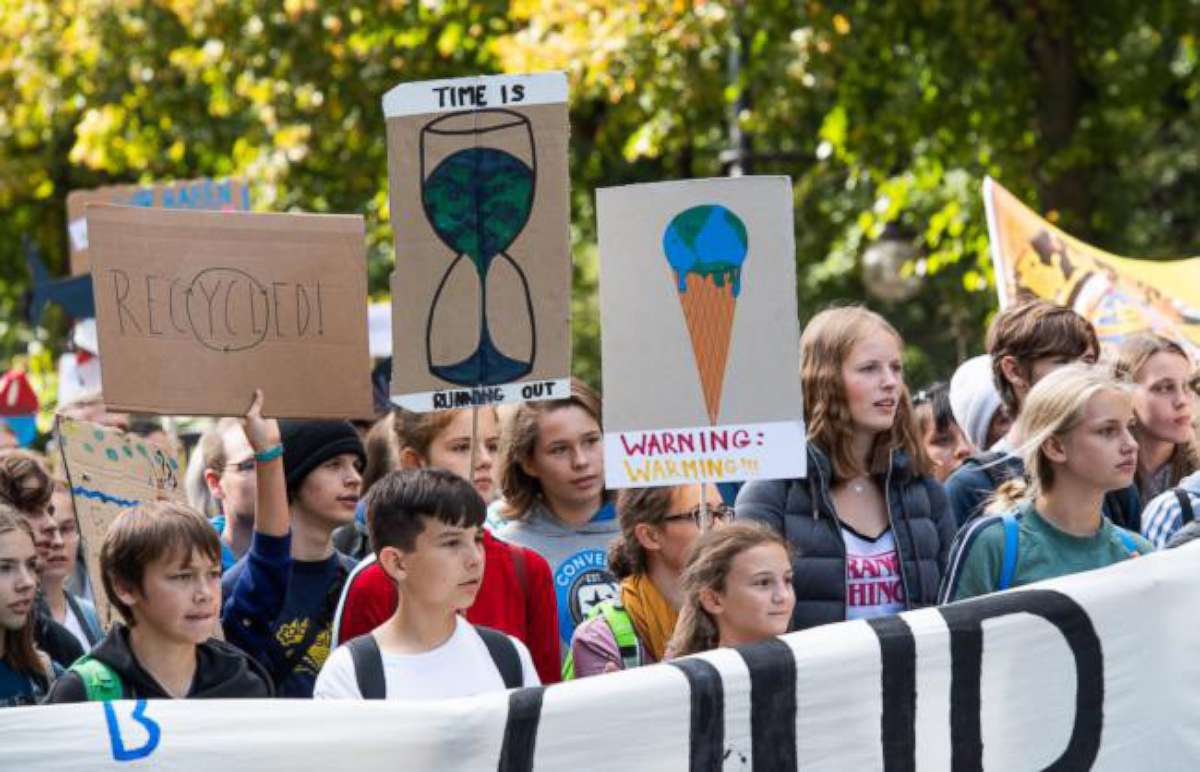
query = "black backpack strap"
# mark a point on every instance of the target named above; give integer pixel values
(368, 667)
(504, 655)
(1186, 513)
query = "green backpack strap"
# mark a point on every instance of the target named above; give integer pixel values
(623, 631)
(617, 619)
(101, 682)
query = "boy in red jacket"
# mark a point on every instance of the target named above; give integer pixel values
(517, 594)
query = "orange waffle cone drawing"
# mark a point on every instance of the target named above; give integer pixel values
(706, 247)
(708, 310)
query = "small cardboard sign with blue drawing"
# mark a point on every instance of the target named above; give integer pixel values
(110, 471)
(699, 332)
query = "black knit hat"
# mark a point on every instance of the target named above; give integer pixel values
(308, 444)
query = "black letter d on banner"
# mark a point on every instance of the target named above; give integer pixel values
(966, 656)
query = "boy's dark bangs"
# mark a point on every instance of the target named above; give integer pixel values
(460, 507)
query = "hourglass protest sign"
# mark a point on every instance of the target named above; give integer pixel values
(477, 170)
(699, 332)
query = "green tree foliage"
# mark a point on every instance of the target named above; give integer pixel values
(882, 111)
(893, 112)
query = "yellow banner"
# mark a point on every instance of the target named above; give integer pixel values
(1119, 295)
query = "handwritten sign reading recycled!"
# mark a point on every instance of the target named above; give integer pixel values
(197, 309)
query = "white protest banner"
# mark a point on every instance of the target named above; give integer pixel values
(1093, 671)
(481, 294)
(699, 332)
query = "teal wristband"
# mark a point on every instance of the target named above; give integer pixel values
(270, 454)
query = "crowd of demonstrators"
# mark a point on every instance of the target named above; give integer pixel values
(1027, 342)
(1077, 445)
(472, 550)
(869, 527)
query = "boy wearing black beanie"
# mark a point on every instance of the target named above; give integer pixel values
(281, 596)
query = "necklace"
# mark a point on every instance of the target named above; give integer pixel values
(857, 484)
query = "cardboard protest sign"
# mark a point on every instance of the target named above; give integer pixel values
(110, 471)
(197, 309)
(481, 294)
(221, 195)
(1119, 295)
(699, 332)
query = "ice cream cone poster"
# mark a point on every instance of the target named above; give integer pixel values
(699, 332)
(477, 170)
(1119, 295)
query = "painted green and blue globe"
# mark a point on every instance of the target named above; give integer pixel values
(478, 200)
(709, 241)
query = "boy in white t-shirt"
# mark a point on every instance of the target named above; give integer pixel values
(425, 530)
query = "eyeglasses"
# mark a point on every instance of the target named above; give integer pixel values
(721, 512)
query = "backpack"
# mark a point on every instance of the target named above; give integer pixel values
(101, 682)
(1012, 527)
(368, 662)
(624, 633)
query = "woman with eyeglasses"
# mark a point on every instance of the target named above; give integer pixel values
(869, 528)
(658, 528)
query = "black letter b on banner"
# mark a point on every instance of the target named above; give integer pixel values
(965, 621)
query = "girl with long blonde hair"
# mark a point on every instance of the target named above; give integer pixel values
(868, 526)
(737, 589)
(1075, 437)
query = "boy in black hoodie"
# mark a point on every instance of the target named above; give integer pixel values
(161, 566)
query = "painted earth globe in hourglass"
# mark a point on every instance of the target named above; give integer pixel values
(478, 200)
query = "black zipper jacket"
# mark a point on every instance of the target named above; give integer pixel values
(802, 511)
(222, 672)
